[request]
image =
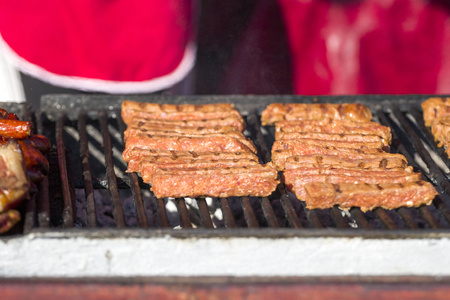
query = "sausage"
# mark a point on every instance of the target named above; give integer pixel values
(40, 142)
(15, 129)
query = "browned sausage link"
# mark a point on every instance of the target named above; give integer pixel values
(34, 158)
(40, 142)
(15, 129)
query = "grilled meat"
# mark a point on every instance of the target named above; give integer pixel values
(380, 162)
(15, 129)
(183, 112)
(368, 196)
(231, 120)
(254, 180)
(276, 112)
(435, 108)
(13, 180)
(327, 145)
(279, 157)
(147, 168)
(339, 128)
(161, 134)
(134, 165)
(296, 179)
(152, 126)
(212, 144)
(343, 137)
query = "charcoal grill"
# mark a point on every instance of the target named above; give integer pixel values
(92, 219)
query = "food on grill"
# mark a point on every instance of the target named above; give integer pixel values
(389, 162)
(343, 137)
(226, 121)
(369, 196)
(185, 158)
(13, 180)
(276, 112)
(254, 180)
(15, 129)
(321, 149)
(296, 179)
(435, 108)
(284, 127)
(436, 113)
(21, 165)
(184, 112)
(194, 151)
(203, 144)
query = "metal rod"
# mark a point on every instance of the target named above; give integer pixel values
(204, 213)
(338, 218)
(163, 221)
(135, 190)
(361, 221)
(271, 218)
(67, 213)
(407, 217)
(260, 142)
(428, 216)
(290, 212)
(110, 174)
(385, 219)
(249, 214)
(86, 169)
(227, 213)
(185, 221)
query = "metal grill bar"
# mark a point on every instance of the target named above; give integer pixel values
(227, 213)
(86, 169)
(30, 214)
(163, 221)
(110, 174)
(288, 209)
(185, 221)
(263, 148)
(249, 214)
(67, 213)
(361, 221)
(272, 220)
(385, 219)
(204, 213)
(43, 204)
(337, 218)
(135, 189)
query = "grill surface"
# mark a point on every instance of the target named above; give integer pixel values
(89, 188)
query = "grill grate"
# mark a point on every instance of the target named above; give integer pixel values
(91, 188)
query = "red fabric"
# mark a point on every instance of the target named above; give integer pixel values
(368, 46)
(120, 40)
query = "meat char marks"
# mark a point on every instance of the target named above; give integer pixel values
(333, 154)
(193, 151)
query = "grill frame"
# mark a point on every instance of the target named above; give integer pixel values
(79, 107)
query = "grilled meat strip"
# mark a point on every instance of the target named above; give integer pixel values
(255, 180)
(369, 196)
(339, 128)
(206, 144)
(440, 129)
(393, 161)
(276, 112)
(296, 179)
(343, 137)
(161, 134)
(15, 129)
(161, 127)
(279, 157)
(327, 145)
(147, 169)
(132, 109)
(435, 108)
(134, 165)
(14, 184)
(231, 120)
